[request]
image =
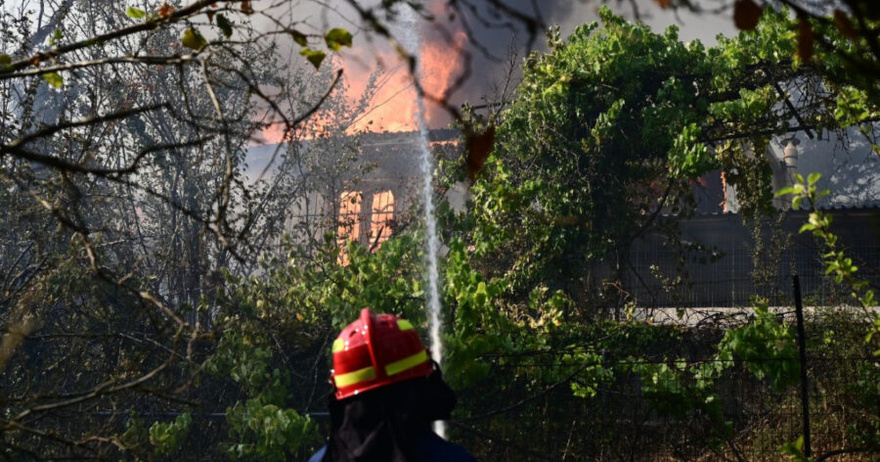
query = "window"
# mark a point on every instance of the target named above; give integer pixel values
(381, 218)
(348, 228)
(369, 227)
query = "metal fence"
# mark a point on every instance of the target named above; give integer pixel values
(626, 420)
(727, 262)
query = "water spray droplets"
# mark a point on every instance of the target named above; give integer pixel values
(410, 41)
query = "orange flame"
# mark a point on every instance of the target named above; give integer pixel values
(441, 66)
(393, 108)
(272, 134)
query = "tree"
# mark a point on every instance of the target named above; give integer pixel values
(124, 193)
(841, 40)
(605, 134)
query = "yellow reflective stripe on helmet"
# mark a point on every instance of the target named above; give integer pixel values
(338, 345)
(407, 363)
(351, 378)
(403, 324)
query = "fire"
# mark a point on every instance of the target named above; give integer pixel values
(441, 66)
(393, 107)
(351, 220)
(273, 134)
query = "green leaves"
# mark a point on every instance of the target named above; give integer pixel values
(851, 108)
(167, 437)
(767, 347)
(805, 191)
(299, 38)
(225, 25)
(599, 123)
(837, 264)
(795, 450)
(135, 13)
(337, 38)
(316, 57)
(193, 39)
(267, 432)
(689, 156)
(56, 38)
(5, 62)
(53, 79)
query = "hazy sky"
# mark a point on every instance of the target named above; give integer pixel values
(569, 14)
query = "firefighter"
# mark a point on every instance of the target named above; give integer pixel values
(388, 391)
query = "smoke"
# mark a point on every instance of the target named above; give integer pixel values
(493, 42)
(469, 53)
(496, 37)
(463, 53)
(442, 55)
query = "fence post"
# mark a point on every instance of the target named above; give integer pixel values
(802, 349)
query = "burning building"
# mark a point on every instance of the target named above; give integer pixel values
(360, 187)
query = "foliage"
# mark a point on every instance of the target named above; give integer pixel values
(167, 437)
(687, 389)
(274, 331)
(607, 132)
(266, 432)
(603, 136)
(472, 300)
(142, 275)
(840, 38)
(766, 346)
(795, 450)
(805, 193)
(125, 197)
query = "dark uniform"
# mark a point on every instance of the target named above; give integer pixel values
(429, 448)
(387, 394)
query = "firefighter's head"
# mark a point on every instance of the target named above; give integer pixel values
(377, 350)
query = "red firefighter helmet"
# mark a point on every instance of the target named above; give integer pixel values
(377, 350)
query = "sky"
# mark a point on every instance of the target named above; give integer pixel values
(569, 14)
